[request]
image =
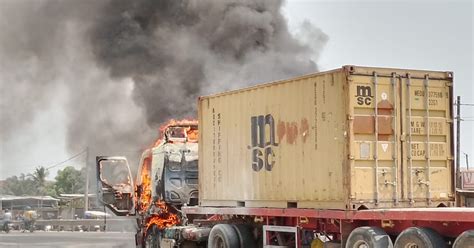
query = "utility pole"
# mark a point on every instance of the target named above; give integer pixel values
(458, 142)
(467, 160)
(86, 194)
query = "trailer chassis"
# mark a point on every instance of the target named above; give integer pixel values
(337, 225)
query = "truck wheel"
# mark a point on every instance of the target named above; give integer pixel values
(419, 237)
(223, 236)
(369, 237)
(466, 239)
(246, 237)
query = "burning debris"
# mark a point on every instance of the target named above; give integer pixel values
(162, 217)
(143, 191)
(178, 130)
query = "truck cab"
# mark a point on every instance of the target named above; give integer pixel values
(167, 172)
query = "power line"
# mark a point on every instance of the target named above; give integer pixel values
(69, 159)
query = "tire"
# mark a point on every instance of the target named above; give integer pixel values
(465, 240)
(223, 236)
(246, 237)
(419, 237)
(369, 237)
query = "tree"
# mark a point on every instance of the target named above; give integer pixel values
(50, 189)
(19, 186)
(39, 176)
(39, 179)
(69, 181)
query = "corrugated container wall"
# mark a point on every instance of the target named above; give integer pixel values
(351, 138)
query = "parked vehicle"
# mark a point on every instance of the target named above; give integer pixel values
(94, 215)
(354, 157)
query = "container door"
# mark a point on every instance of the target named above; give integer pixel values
(426, 128)
(376, 144)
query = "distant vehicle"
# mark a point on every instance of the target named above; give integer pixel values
(354, 157)
(93, 215)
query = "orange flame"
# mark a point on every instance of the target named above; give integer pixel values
(163, 219)
(188, 130)
(144, 198)
(191, 134)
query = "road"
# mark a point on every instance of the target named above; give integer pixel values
(42, 239)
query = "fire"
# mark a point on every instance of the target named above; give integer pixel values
(144, 198)
(164, 218)
(175, 131)
(192, 134)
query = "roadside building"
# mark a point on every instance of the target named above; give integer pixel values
(45, 206)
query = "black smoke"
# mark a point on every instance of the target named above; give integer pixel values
(120, 68)
(175, 51)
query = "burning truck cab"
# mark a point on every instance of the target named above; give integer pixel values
(167, 179)
(172, 164)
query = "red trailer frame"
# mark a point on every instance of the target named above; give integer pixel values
(449, 222)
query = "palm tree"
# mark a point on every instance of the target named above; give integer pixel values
(39, 178)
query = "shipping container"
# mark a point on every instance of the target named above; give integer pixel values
(354, 157)
(351, 138)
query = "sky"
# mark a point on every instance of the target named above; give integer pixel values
(431, 35)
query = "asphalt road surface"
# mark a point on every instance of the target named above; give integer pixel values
(67, 239)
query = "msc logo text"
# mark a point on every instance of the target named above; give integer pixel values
(262, 133)
(364, 95)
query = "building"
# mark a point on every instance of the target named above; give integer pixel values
(46, 206)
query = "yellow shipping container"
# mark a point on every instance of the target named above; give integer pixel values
(351, 138)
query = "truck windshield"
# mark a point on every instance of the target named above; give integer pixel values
(114, 172)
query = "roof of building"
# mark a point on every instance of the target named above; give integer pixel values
(72, 196)
(14, 197)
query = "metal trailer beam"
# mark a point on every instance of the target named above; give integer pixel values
(421, 214)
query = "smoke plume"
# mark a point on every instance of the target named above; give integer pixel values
(124, 67)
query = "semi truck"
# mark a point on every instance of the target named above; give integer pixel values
(357, 157)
